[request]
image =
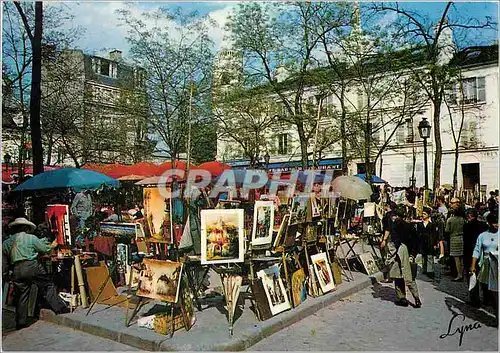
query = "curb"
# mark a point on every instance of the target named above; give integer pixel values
(238, 344)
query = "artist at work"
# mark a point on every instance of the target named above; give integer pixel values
(20, 255)
(400, 245)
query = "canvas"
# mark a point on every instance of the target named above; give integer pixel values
(160, 280)
(274, 288)
(311, 233)
(222, 236)
(299, 210)
(187, 306)
(58, 218)
(280, 237)
(315, 206)
(263, 223)
(156, 215)
(113, 229)
(298, 287)
(369, 263)
(323, 272)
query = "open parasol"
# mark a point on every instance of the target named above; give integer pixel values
(351, 187)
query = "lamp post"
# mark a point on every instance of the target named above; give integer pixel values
(424, 129)
(266, 160)
(7, 159)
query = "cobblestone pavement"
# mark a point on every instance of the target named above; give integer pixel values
(369, 320)
(44, 336)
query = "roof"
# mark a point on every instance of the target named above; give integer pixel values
(476, 55)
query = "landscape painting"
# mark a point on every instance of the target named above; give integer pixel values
(156, 215)
(298, 214)
(222, 236)
(160, 280)
(263, 223)
(274, 288)
(323, 272)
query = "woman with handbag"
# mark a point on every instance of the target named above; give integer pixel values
(487, 243)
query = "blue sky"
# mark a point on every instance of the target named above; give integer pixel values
(104, 33)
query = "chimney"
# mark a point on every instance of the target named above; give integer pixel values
(115, 55)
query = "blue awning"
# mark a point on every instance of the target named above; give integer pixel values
(330, 163)
(375, 179)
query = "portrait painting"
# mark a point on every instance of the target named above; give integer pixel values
(274, 289)
(323, 272)
(160, 280)
(369, 263)
(222, 236)
(263, 222)
(156, 215)
(299, 210)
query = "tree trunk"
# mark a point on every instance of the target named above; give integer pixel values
(455, 169)
(303, 146)
(343, 141)
(49, 151)
(438, 148)
(368, 168)
(36, 77)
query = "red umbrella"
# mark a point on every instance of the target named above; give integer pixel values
(144, 168)
(8, 175)
(214, 167)
(177, 165)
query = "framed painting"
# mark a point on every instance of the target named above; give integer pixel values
(274, 288)
(222, 236)
(280, 237)
(160, 280)
(369, 263)
(315, 206)
(156, 215)
(311, 233)
(299, 291)
(263, 223)
(298, 213)
(58, 218)
(323, 272)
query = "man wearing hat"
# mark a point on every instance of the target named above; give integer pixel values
(20, 254)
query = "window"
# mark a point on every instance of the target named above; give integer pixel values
(327, 107)
(468, 137)
(105, 68)
(400, 135)
(474, 90)
(283, 144)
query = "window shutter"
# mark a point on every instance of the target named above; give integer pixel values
(481, 91)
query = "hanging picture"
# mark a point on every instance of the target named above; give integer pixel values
(323, 272)
(263, 222)
(58, 218)
(299, 210)
(222, 236)
(114, 229)
(157, 215)
(274, 288)
(280, 237)
(299, 291)
(369, 209)
(160, 280)
(369, 263)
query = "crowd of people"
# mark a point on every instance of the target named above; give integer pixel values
(462, 237)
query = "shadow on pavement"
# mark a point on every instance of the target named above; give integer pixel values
(385, 293)
(457, 307)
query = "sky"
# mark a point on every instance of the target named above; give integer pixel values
(104, 33)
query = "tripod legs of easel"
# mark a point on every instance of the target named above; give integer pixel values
(350, 277)
(101, 289)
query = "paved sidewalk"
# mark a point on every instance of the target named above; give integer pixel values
(210, 332)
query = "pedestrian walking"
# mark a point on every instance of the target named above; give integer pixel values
(431, 243)
(472, 228)
(20, 254)
(390, 208)
(486, 244)
(400, 239)
(455, 229)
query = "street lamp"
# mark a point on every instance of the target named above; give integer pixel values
(7, 159)
(424, 129)
(266, 160)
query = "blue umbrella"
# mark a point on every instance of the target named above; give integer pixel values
(76, 179)
(375, 179)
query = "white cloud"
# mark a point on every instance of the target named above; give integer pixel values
(217, 33)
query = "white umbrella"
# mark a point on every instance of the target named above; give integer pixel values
(351, 187)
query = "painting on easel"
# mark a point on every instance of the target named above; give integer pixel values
(300, 206)
(160, 280)
(323, 272)
(263, 222)
(157, 217)
(274, 288)
(222, 236)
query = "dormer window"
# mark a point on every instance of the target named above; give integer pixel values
(104, 67)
